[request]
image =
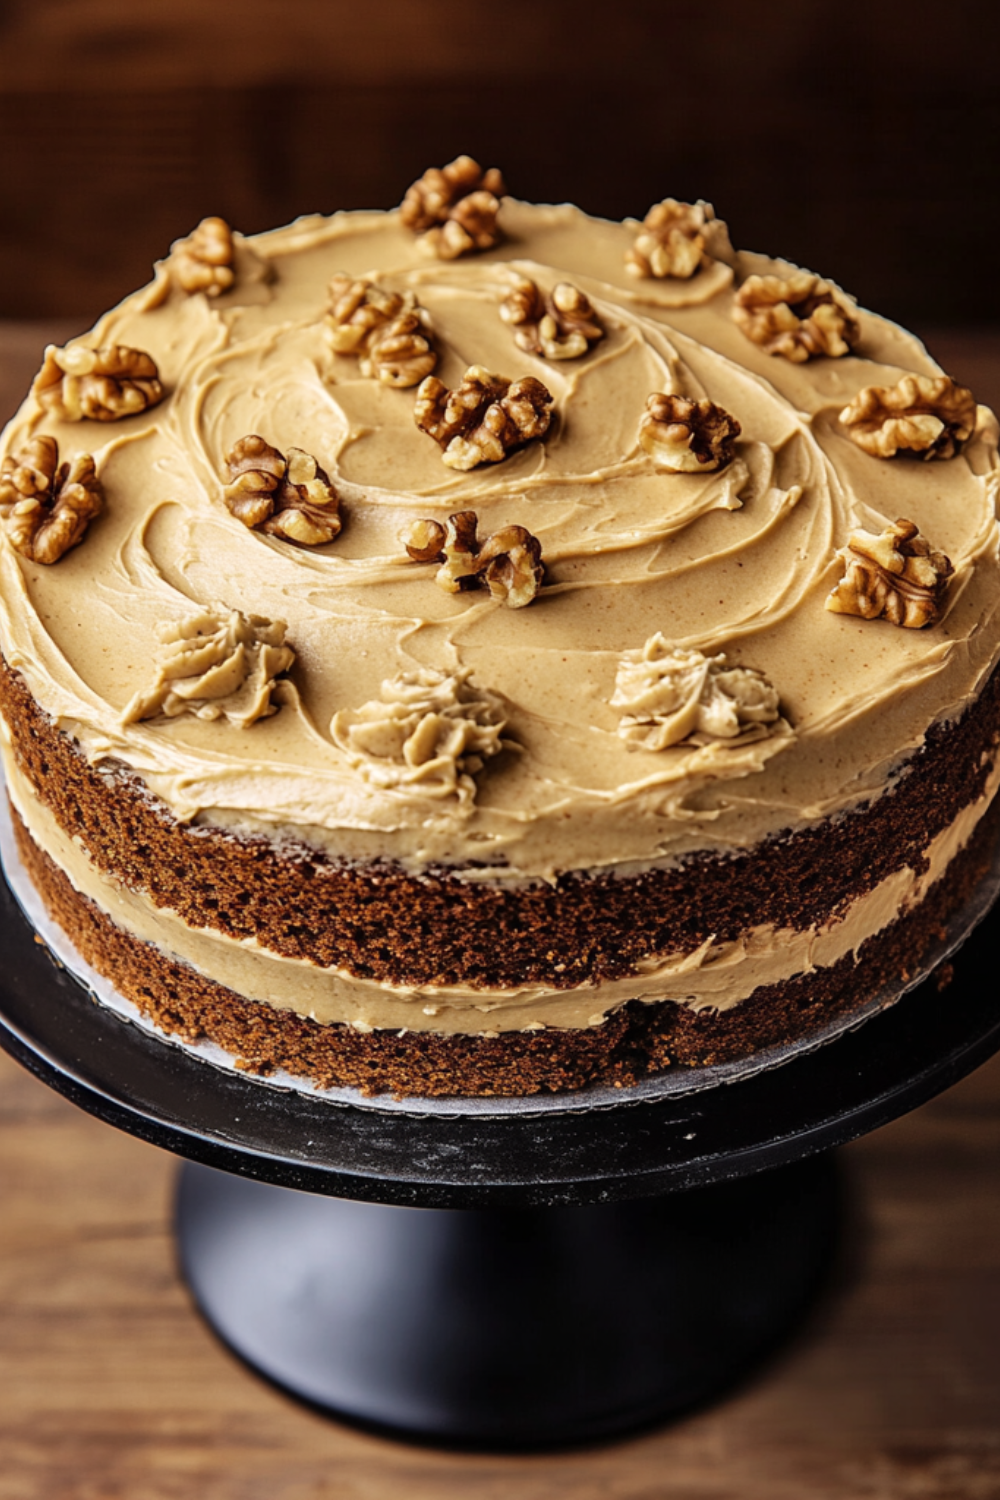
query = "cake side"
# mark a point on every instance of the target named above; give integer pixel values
(636, 1041)
(451, 956)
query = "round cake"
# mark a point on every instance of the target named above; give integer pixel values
(482, 649)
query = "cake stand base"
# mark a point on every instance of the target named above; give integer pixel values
(506, 1328)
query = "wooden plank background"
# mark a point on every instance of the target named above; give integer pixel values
(858, 139)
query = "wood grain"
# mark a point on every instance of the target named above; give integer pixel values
(111, 1388)
(112, 44)
(830, 133)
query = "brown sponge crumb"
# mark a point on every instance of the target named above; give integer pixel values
(379, 922)
(637, 1041)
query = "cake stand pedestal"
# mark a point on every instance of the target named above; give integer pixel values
(582, 1271)
(505, 1328)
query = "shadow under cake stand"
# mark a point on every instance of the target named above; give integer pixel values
(558, 1271)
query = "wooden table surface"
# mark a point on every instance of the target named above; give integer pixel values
(111, 1388)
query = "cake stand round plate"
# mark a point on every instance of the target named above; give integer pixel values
(536, 1306)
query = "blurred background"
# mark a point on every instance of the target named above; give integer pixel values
(858, 138)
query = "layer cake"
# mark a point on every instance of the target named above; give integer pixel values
(459, 651)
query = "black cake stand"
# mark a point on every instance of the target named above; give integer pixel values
(507, 1280)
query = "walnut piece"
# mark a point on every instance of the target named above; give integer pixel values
(926, 415)
(101, 385)
(204, 261)
(797, 316)
(673, 240)
(30, 473)
(288, 497)
(428, 731)
(454, 208)
(387, 331)
(45, 507)
(218, 663)
(509, 563)
(560, 324)
(666, 695)
(687, 436)
(894, 574)
(484, 419)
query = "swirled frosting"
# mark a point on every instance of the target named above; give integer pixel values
(739, 561)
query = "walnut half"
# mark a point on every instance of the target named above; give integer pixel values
(387, 331)
(287, 497)
(560, 324)
(204, 261)
(454, 208)
(894, 574)
(484, 418)
(926, 415)
(672, 240)
(509, 562)
(100, 385)
(797, 316)
(687, 436)
(45, 508)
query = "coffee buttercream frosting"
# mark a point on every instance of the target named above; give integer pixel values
(736, 561)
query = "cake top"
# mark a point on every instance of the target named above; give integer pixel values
(649, 638)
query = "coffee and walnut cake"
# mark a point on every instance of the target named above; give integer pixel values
(482, 649)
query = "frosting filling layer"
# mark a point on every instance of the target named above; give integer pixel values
(715, 976)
